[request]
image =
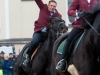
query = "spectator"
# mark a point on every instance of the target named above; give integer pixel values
(1, 59)
(6, 66)
(15, 58)
(11, 61)
(2, 54)
(0, 65)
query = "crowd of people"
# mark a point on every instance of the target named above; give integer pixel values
(7, 63)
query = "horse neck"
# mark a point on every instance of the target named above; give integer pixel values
(50, 40)
(49, 44)
(52, 36)
(96, 25)
(96, 34)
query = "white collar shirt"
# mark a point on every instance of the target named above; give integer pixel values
(88, 1)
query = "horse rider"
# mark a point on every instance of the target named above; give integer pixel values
(41, 26)
(75, 10)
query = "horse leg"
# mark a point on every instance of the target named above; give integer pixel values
(47, 69)
(34, 73)
(82, 72)
(53, 69)
(55, 72)
(21, 72)
(18, 70)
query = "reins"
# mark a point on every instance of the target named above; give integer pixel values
(56, 28)
(91, 26)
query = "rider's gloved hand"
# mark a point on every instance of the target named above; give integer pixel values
(80, 14)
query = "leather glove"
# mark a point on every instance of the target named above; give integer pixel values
(80, 14)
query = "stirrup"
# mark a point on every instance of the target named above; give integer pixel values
(59, 63)
(27, 63)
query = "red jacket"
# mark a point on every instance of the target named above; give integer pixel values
(44, 15)
(80, 5)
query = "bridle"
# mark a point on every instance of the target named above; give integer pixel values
(58, 26)
(53, 29)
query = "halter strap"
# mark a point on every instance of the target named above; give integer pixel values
(57, 29)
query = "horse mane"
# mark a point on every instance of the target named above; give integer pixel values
(90, 16)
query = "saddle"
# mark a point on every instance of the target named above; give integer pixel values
(40, 44)
(25, 55)
(73, 44)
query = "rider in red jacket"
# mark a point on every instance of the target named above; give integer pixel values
(41, 25)
(75, 10)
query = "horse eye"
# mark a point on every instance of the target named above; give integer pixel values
(62, 28)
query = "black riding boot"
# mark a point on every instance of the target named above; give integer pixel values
(62, 64)
(37, 38)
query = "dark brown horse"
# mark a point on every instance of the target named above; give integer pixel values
(42, 61)
(86, 58)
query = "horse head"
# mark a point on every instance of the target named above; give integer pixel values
(58, 26)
